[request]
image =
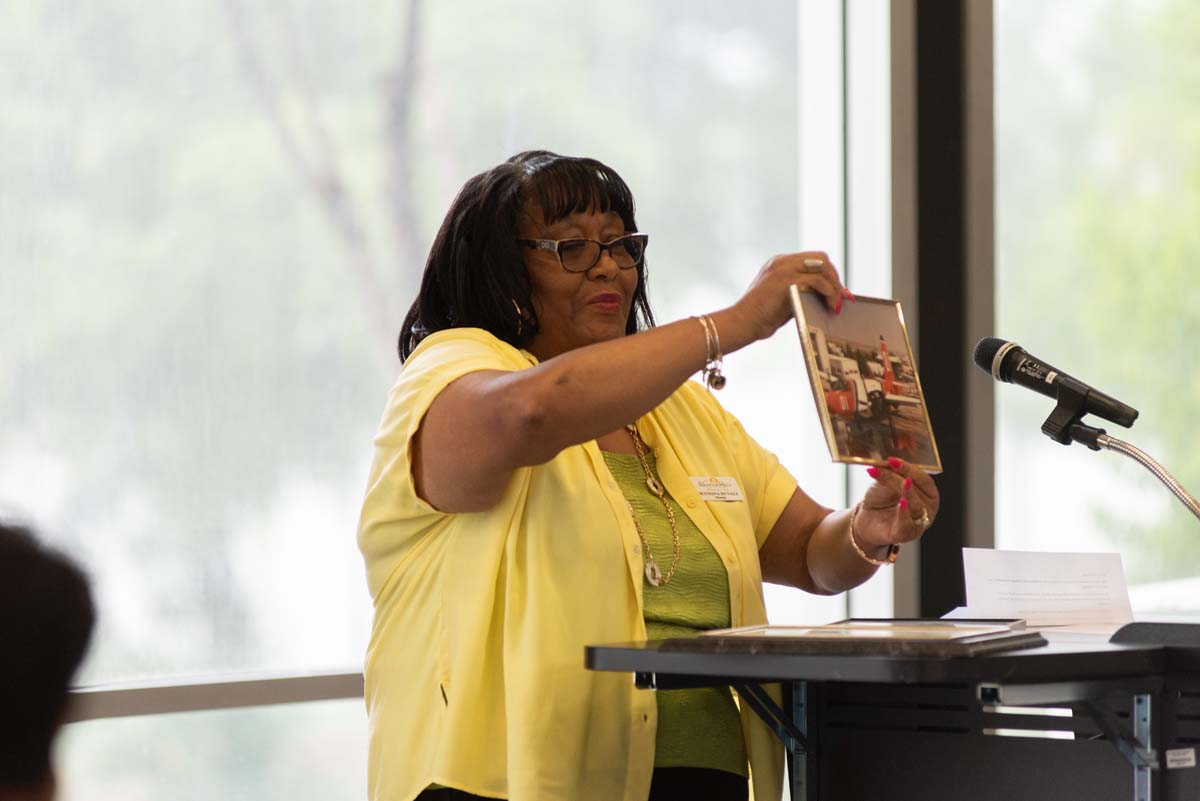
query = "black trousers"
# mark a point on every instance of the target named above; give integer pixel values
(668, 784)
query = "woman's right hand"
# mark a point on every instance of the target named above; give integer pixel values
(767, 303)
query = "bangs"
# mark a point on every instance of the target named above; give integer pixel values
(561, 186)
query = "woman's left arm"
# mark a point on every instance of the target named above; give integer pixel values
(810, 546)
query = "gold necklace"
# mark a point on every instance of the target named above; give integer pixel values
(653, 574)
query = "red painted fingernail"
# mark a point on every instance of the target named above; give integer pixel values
(908, 483)
(893, 462)
(838, 308)
(873, 472)
(846, 293)
(904, 504)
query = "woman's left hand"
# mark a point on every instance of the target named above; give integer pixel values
(899, 506)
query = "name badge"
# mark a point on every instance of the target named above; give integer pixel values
(717, 488)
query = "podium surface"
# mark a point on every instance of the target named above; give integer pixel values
(1074, 718)
(1050, 662)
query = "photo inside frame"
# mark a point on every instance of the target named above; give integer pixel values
(865, 382)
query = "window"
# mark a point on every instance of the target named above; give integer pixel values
(307, 751)
(213, 216)
(1098, 191)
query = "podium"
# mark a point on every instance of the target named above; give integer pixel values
(1072, 719)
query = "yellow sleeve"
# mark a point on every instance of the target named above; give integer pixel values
(392, 513)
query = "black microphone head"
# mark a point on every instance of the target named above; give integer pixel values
(995, 356)
(986, 350)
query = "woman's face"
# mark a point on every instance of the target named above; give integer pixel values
(576, 309)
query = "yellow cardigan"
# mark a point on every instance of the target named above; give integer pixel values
(474, 673)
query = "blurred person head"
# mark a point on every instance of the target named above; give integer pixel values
(484, 272)
(46, 620)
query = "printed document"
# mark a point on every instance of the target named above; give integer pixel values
(1046, 589)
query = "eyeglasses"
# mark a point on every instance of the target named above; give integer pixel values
(581, 255)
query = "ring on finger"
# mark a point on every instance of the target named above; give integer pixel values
(923, 521)
(814, 265)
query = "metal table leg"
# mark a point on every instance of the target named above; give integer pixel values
(1090, 698)
(800, 757)
(793, 730)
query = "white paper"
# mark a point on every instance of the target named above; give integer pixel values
(1099, 631)
(1046, 589)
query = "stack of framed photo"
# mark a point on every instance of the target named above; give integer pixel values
(870, 637)
(864, 381)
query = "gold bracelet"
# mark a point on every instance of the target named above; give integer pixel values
(893, 548)
(712, 347)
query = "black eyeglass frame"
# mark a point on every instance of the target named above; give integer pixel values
(555, 246)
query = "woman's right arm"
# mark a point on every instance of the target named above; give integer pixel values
(485, 425)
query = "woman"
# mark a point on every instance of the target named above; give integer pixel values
(546, 477)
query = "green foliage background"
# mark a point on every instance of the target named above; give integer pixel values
(1099, 242)
(183, 340)
(187, 344)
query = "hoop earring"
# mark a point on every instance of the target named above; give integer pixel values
(520, 315)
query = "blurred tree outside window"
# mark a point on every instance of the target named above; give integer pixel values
(1098, 194)
(212, 219)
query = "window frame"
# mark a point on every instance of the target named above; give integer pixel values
(226, 691)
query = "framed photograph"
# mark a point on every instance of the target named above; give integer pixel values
(865, 382)
(868, 637)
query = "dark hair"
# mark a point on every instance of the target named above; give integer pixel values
(475, 276)
(46, 619)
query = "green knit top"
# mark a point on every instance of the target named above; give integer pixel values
(698, 728)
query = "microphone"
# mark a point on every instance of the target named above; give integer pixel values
(1008, 362)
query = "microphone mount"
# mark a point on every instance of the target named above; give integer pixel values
(1066, 419)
